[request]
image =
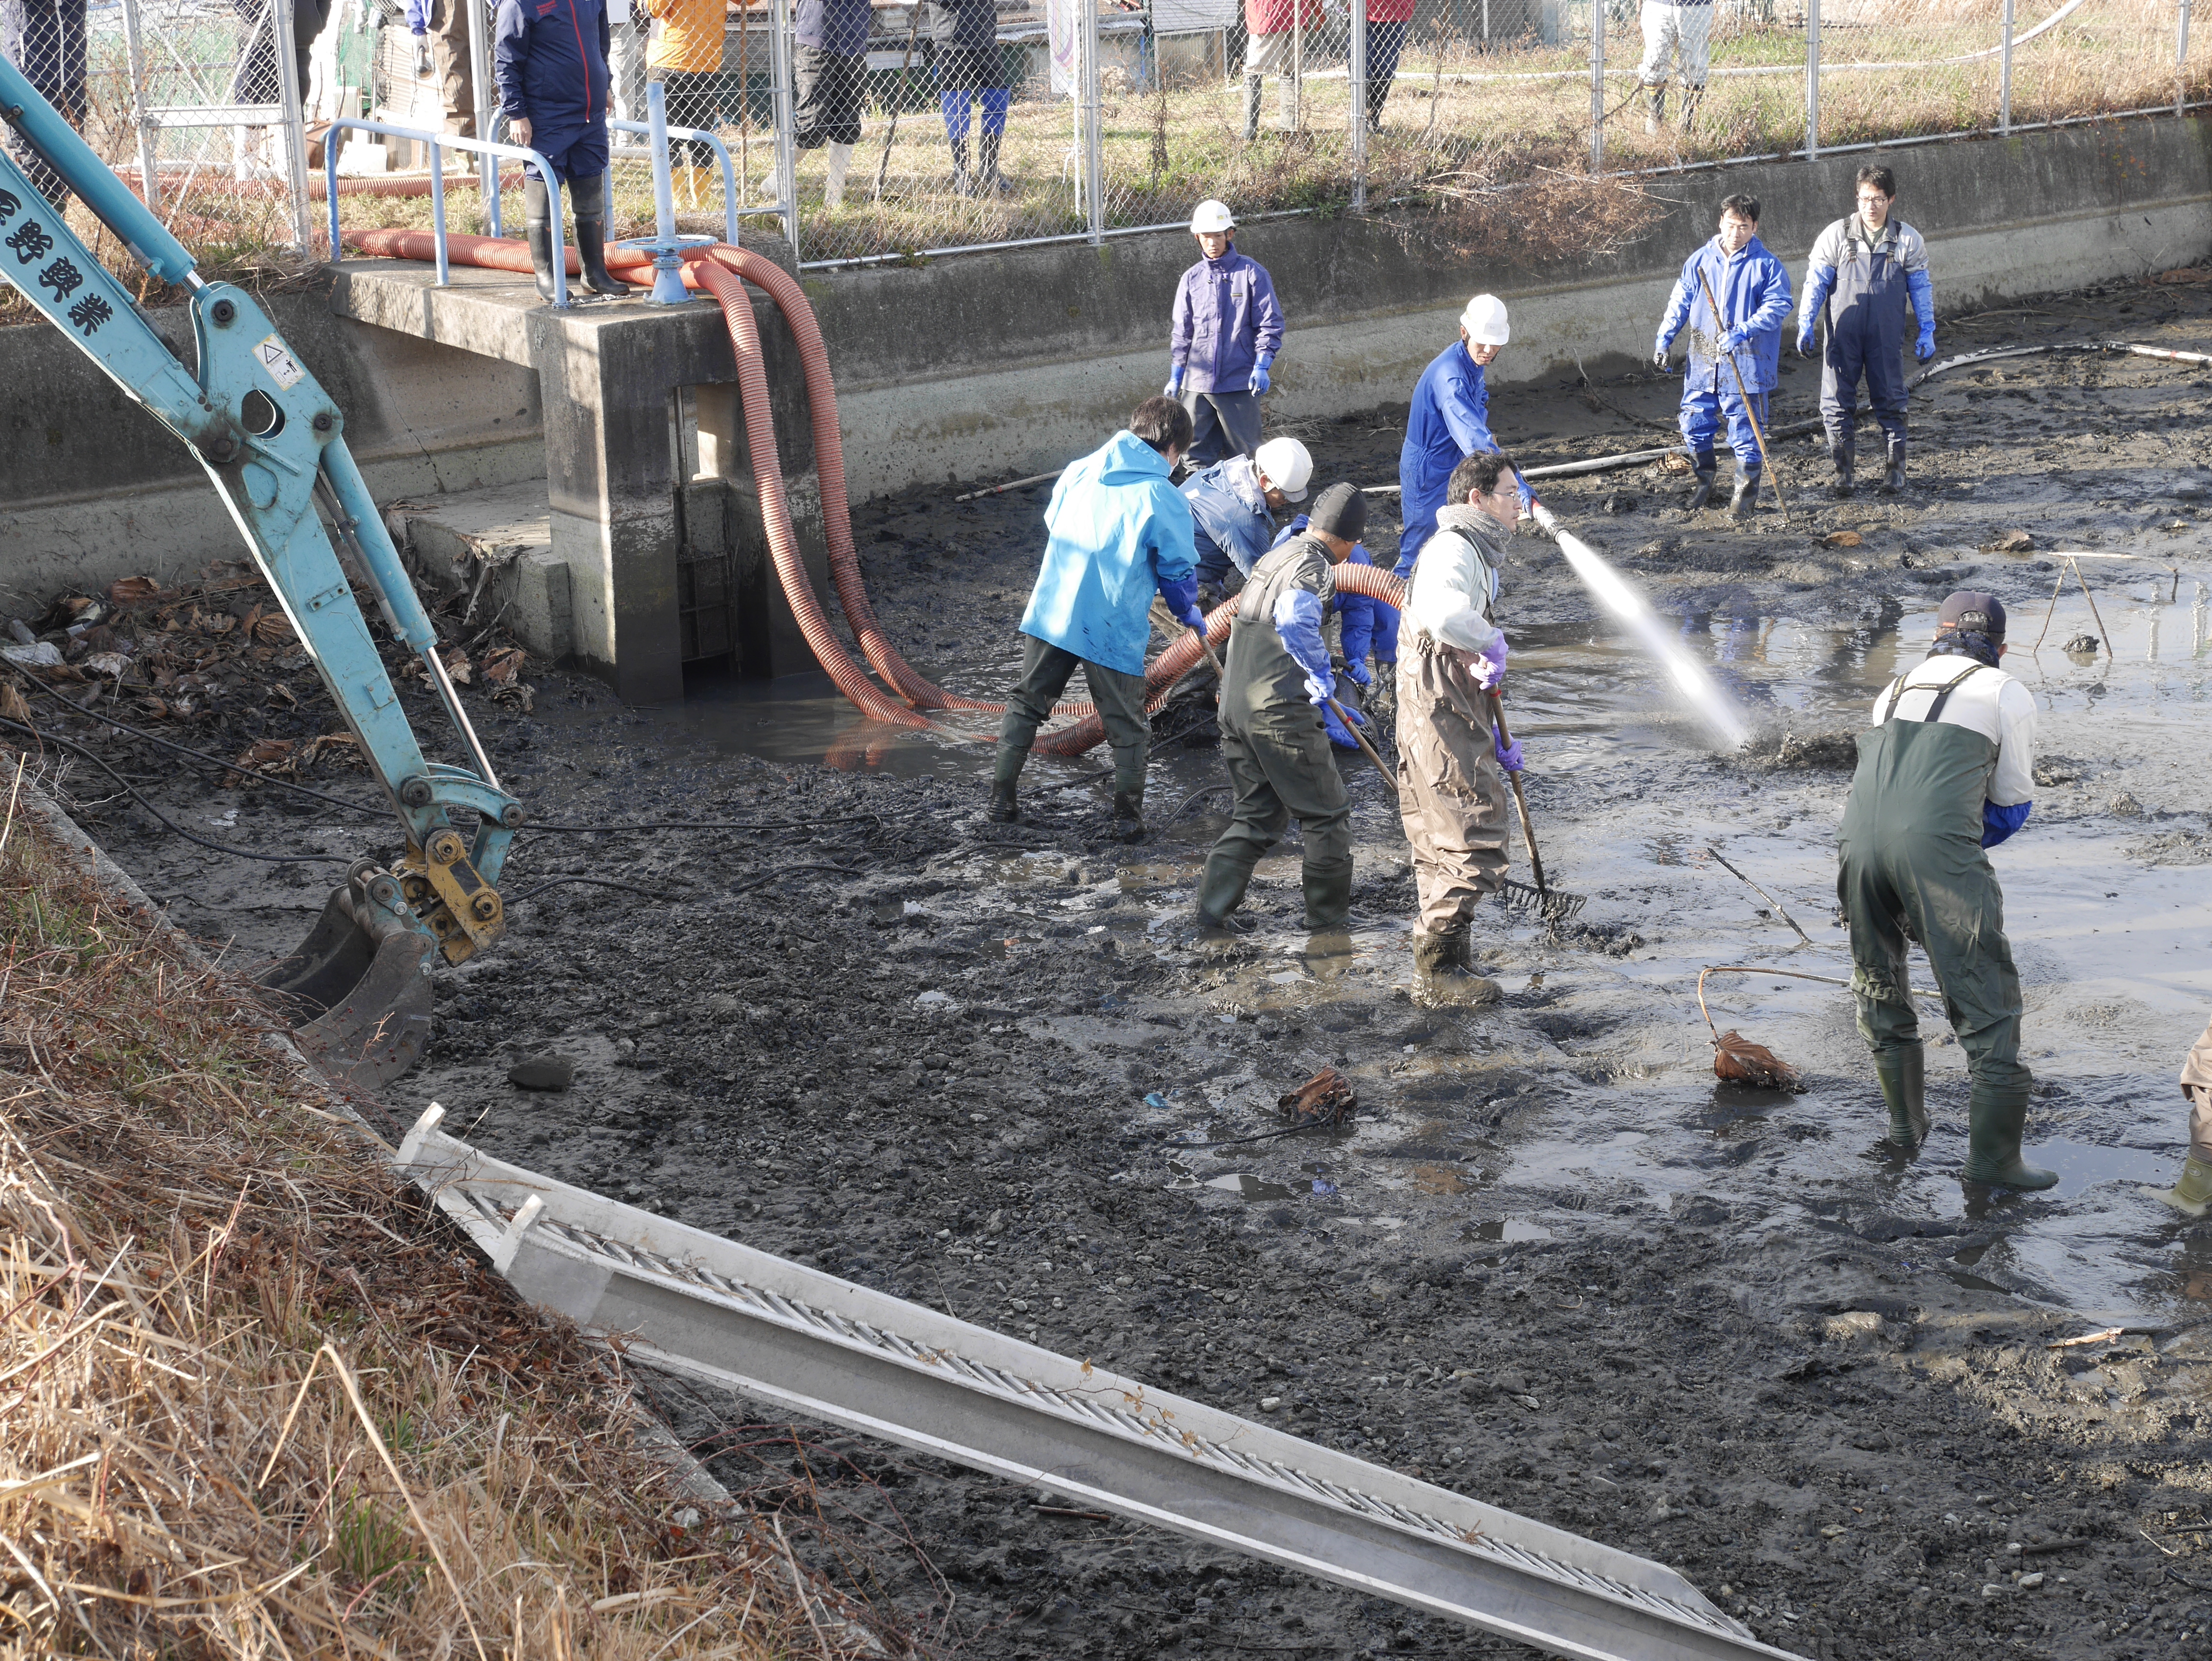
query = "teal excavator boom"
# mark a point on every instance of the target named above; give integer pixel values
(273, 445)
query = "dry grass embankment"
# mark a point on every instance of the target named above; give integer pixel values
(261, 1401)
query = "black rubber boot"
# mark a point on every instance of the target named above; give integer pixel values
(1328, 895)
(1129, 824)
(1995, 1119)
(1446, 965)
(1003, 808)
(1893, 480)
(538, 233)
(963, 185)
(988, 181)
(1746, 496)
(592, 255)
(1903, 1076)
(1846, 464)
(1251, 107)
(1707, 470)
(1221, 888)
(1690, 95)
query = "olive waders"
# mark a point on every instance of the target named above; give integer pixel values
(1911, 853)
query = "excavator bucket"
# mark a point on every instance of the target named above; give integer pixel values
(357, 991)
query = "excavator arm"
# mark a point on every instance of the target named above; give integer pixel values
(273, 445)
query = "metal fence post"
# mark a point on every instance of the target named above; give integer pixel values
(149, 141)
(1358, 105)
(1597, 85)
(2181, 62)
(781, 107)
(486, 101)
(2004, 74)
(1094, 194)
(293, 124)
(1812, 79)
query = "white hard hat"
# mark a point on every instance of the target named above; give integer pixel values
(1211, 216)
(1483, 319)
(1286, 465)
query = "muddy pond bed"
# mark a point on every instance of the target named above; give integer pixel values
(1555, 1263)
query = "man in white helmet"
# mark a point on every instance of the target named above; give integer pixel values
(1233, 506)
(1226, 332)
(1449, 422)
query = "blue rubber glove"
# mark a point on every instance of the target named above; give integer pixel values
(1260, 382)
(1339, 734)
(1924, 348)
(1998, 823)
(1182, 599)
(1659, 357)
(1358, 673)
(1805, 343)
(1174, 388)
(1489, 664)
(1732, 342)
(1527, 495)
(1509, 755)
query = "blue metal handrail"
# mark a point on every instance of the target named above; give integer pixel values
(436, 140)
(731, 211)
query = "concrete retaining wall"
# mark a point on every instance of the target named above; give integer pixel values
(985, 365)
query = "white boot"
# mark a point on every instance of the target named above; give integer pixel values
(840, 157)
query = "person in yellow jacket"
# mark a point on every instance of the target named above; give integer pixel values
(686, 58)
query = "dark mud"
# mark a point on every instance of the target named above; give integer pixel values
(1555, 1263)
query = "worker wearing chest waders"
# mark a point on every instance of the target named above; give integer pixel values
(1119, 532)
(1275, 724)
(1753, 290)
(2192, 1194)
(1867, 276)
(1944, 773)
(1451, 784)
(1449, 421)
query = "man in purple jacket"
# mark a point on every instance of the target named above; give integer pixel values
(1227, 331)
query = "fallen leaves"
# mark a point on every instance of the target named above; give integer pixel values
(2011, 542)
(502, 666)
(1736, 1060)
(1328, 1097)
(291, 758)
(1842, 539)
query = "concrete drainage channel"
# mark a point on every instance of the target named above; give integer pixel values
(804, 1342)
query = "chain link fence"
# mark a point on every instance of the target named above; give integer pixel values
(956, 124)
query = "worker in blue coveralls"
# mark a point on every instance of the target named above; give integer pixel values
(1119, 532)
(1753, 291)
(1365, 625)
(549, 62)
(1449, 422)
(1233, 505)
(1226, 332)
(1866, 276)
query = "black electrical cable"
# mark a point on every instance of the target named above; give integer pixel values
(220, 847)
(1198, 796)
(1265, 1136)
(746, 888)
(596, 882)
(706, 825)
(215, 762)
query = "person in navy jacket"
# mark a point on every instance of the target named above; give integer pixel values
(1753, 287)
(1227, 329)
(549, 62)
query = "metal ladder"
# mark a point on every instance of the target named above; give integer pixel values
(693, 1303)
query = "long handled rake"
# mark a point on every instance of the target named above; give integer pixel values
(1750, 410)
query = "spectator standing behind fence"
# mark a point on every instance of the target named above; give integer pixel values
(1387, 20)
(549, 61)
(1753, 291)
(1681, 29)
(628, 29)
(1272, 29)
(686, 58)
(45, 39)
(1449, 421)
(970, 68)
(444, 25)
(831, 67)
(1226, 331)
(258, 79)
(1867, 275)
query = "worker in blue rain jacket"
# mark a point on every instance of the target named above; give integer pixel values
(550, 63)
(1867, 276)
(1233, 505)
(1226, 328)
(1449, 422)
(1752, 289)
(1944, 772)
(1364, 625)
(1119, 532)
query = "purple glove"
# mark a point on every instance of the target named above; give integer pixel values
(1489, 664)
(1509, 755)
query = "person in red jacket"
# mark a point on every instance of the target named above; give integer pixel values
(1274, 31)
(1388, 21)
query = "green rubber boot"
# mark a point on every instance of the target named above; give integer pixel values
(1446, 965)
(1904, 1075)
(1995, 1119)
(1221, 888)
(1328, 895)
(2192, 1194)
(1003, 808)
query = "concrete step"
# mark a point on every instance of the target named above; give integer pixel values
(496, 546)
